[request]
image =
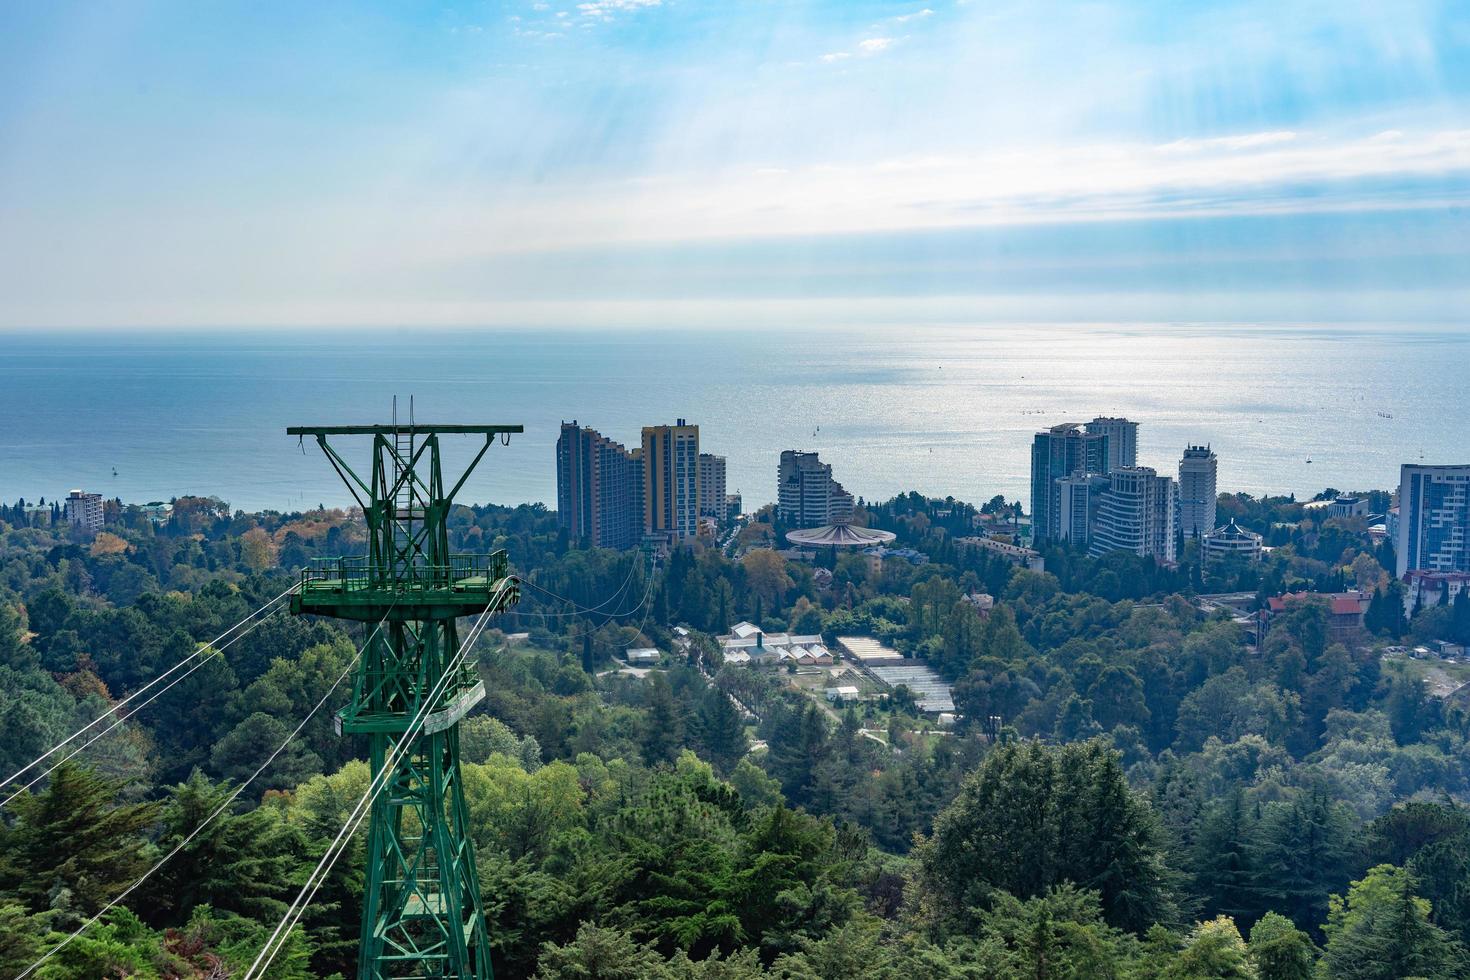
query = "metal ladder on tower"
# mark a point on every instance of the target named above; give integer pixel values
(403, 512)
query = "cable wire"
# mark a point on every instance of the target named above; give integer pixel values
(577, 607)
(139, 692)
(211, 818)
(213, 652)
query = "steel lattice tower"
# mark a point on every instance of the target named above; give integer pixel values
(422, 910)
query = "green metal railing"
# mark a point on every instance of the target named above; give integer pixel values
(360, 574)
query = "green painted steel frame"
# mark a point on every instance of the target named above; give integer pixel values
(423, 913)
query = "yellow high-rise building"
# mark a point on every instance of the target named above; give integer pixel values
(671, 480)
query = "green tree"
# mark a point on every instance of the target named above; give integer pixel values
(238, 862)
(798, 746)
(250, 743)
(1222, 862)
(1214, 951)
(663, 723)
(601, 954)
(722, 731)
(963, 630)
(1304, 850)
(73, 845)
(21, 939)
(1117, 699)
(1060, 935)
(1280, 950)
(1036, 816)
(1381, 931)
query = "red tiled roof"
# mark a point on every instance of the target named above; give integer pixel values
(1341, 604)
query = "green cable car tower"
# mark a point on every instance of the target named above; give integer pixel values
(422, 911)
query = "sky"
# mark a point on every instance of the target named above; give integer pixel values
(684, 163)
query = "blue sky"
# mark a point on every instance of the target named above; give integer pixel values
(635, 162)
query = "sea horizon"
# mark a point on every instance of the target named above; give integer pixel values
(945, 410)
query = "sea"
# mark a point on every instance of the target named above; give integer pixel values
(945, 410)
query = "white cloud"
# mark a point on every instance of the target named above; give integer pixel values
(1246, 141)
(874, 45)
(1037, 184)
(607, 9)
(832, 56)
(916, 15)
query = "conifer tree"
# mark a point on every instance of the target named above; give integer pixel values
(74, 846)
(663, 727)
(1035, 816)
(1224, 871)
(1381, 931)
(239, 862)
(722, 730)
(1303, 853)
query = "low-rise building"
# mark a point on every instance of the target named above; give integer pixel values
(1423, 589)
(868, 651)
(642, 656)
(843, 692)
(1231, 541)
(1345, 611)
(910, 555)
(747, 643)
(1013, 553)
(983, 602)
(157, 511)
(1348, 507)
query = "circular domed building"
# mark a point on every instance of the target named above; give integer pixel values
(839, 534)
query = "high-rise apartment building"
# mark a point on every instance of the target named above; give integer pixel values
(1197, 492)
(1078, 497)
(1137, 513)
(1122, 441)
(84, 510)
(671, 480)
(712, 487)
(1434, 519)
(599, 488)
(1056, 453)
(806, 494)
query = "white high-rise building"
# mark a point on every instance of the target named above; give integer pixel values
(1434, 519)
(806, 494)
(712, 487)
(1137, 512)
(1122, 441)
(1078, 496)
(1197, 491)
(84, 510)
